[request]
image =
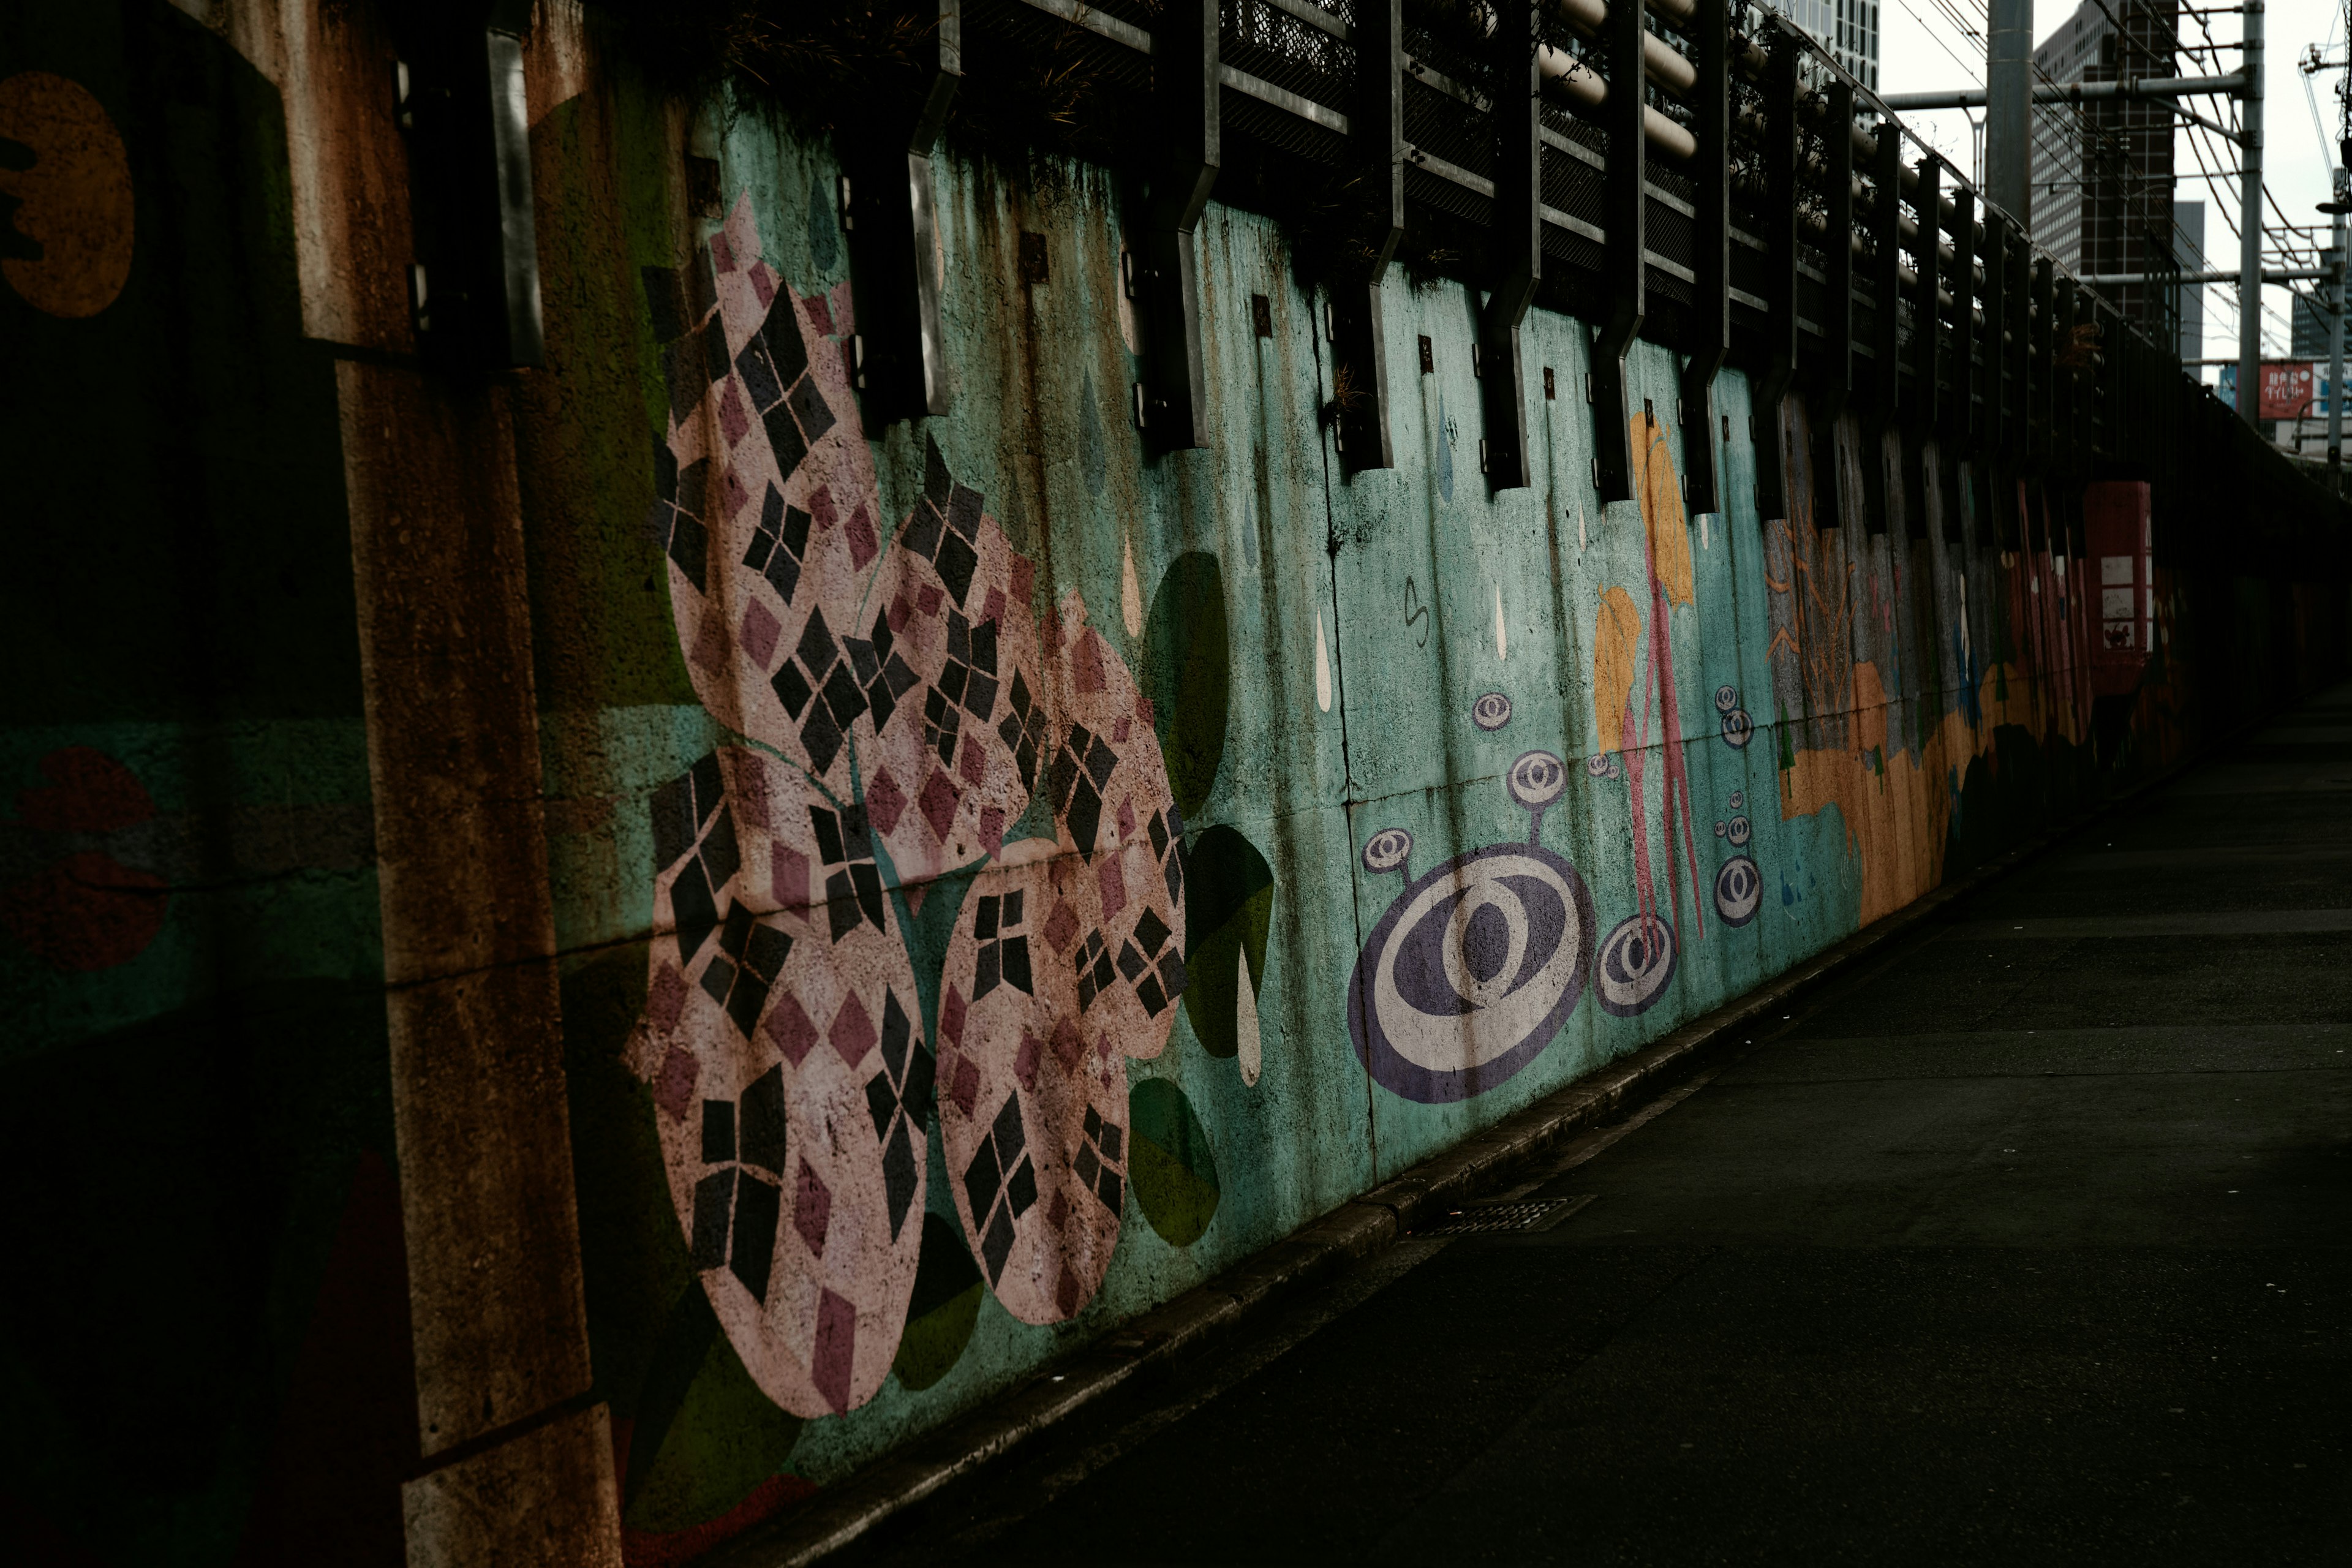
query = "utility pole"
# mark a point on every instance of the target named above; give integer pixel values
(2335, 354)
(2009, 109)
(2249, 224)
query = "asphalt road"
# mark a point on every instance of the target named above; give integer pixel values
(2029, 1242)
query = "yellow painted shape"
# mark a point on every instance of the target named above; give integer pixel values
(76, 198)
(1616, 655)
(1661, 494)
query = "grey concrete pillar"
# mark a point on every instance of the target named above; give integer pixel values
(2009, 109)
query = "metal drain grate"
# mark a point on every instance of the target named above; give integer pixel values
(1540, 1213)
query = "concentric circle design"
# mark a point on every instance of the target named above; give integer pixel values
(1738, 831)
(1491, 711)
(1471, 972)
(1739, 890)
(1636, 960)
(1738, 728)
(1719, 830)
(1600, 765)
(1726, 698)
(1537, 779)
(1739, 801)
(1387, 850)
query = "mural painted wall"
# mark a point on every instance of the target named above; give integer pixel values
(1000, 877)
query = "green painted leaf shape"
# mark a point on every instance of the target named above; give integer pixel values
(1191, 675)
(727, 1437)
(1228, 906)
(945, 1305)
(1168, 1162)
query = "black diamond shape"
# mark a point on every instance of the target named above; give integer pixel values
(917, 1096)
(1100, 761)
(1016, 962)
(1159, 832)
(721, 854)
(956, 562)
(841, 694)
(1021, 1192)
(765, 1120)
(717, 1132)
(791, 689)
(981, 1176)
(998, 1245)
(1111, 1138)
(898, 677)
(808, 401)
(963, 512)
(795, 532)
(756, 557)
(784, 439)
(983, 917)
(827, 828)
(959, 637)
(1130, 963)
(709, 787)
(817, 646)
(1085, 992)
(757, 1206)
(1009, 1141)
(921, 533)
(714, 1205)
(984, 970)
(783, 575)
(1094, 1122)
(881, 1102)
(821, 737)
(673, 821)
(869, 890)
(765, 953)
(878, 702)
(979, 696)
(1149, 994)
(1109, 1188)
(1151, 930)
(782, 332)
(983, 646)
(1020, 695)
(863, 659)
(1102, 972)
(897, 1031)
(952, 679)
(1175, 875)
(718, 978)
(898, 1176)
(1086, 1165)
(1008, 731)
(935, 483)
(750, 996)
(759, 375)
(881, 634)
(841, 912)
(1171, 974)
(688, 547)
(736, 932)
(695, 912)
(1084, 817)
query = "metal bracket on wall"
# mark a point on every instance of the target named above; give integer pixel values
(473, 289)
(1928, 399)
(1887, 319)
(898, 356)
(1992, 423)
(1171, 403)
(1779, 137)
(2040, 364)
(2065, 393)
(1358, 338)
(1519, 246)
(1834, 378)
(2017, 300)
(1624, 267)
(1710, 328)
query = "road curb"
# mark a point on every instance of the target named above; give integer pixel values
(1329, 1246)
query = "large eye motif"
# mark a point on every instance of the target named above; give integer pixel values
(1636, 960)
(1471, 972)
(1739, 890)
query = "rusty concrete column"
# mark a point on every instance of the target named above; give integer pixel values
(516, 1462)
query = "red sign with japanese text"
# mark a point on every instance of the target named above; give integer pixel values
(2288, 387)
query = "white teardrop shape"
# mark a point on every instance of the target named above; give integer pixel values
(1322, 668)
(1245, 1022)
(1706, 540)
(1580, 539)
(1502, 639)
(1130, 592)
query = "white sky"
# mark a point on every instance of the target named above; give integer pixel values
(1922, 49)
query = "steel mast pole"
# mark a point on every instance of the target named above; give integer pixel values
(2335, 362)
(2250, 224)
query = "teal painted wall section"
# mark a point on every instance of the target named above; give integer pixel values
(1333, 660)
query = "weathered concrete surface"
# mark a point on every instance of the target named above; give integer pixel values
(545, 1495)
(2037, 1255)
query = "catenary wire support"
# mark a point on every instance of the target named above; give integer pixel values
(1711, 328)
(1624, 266)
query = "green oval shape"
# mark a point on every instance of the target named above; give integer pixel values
(1168, 1162)
(1228, 906)
(1192, 676)
(945, 1306)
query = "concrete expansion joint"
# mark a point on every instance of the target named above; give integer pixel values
(498, 1436)
(417, 982)
(1357, 1230)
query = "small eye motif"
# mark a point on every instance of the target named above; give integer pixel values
(1386, 850)
(1537, 779)
(1718, 830)
(1604, 766)
(1738, 800)
(1738, 831)
(1726, 698)
(1491, 711)
(1737, 729)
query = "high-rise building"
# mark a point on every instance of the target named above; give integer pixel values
(1847, 28)
(2312, 328)
(2189, 251)
(2102, 171)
